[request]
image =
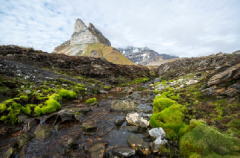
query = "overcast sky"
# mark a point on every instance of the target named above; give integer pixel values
(180, 27)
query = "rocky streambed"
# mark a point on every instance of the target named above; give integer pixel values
(80, 130)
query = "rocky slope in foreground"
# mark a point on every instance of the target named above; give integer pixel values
(89, 41)
(198, 104)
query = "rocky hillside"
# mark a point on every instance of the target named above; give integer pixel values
(202, 96)
(89, 41)
(144, 55)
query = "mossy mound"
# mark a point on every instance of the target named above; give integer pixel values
(208, 142)
(67, 94)
(160, 103)
(170, 119)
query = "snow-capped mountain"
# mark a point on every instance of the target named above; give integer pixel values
(143, 55)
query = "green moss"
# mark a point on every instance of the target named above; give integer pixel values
(3, 107)
(81, 85)
(160, 103)
(156, 91)
(204, 140)
(51, 105)
(37, 111)
(24, 97)
(27, 110)
(107, 87)
(91, 100)
(67, 94)
(170, 119)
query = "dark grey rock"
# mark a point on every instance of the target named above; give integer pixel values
(119, 121)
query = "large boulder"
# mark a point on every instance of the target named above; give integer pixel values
(136, 120)
(123, 105)
(139, 144)
(232, 73)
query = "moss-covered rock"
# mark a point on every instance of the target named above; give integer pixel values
(91, 100)
(206, 141)
(170, 119)
(160, 103)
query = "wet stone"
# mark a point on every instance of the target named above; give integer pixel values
(123, 105)
(98, 150)
(89, 126)
(65, 115)
(72, 142)
(144, 108)
(42, 132)
(119, 121)
(139, 144)
(23, 139)
(78, 116)
(11, 152)
(133, 129)
(123, 151)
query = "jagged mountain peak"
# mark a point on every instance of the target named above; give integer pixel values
(89, 41)
(79, 25)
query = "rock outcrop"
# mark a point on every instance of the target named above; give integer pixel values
(89, 41)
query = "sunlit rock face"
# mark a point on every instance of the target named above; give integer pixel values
(82, 35)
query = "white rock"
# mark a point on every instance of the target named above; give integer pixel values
(157, 132)
(103, 91)
(150, 85)
(158, 143)
(180, 80)
(136, 120)
(64, 85)
(181, 86)
(191, 82)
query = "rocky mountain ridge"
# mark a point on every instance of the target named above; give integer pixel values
(143, 55)
(89, 41)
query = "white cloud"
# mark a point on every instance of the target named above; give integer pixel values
(180, 27)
